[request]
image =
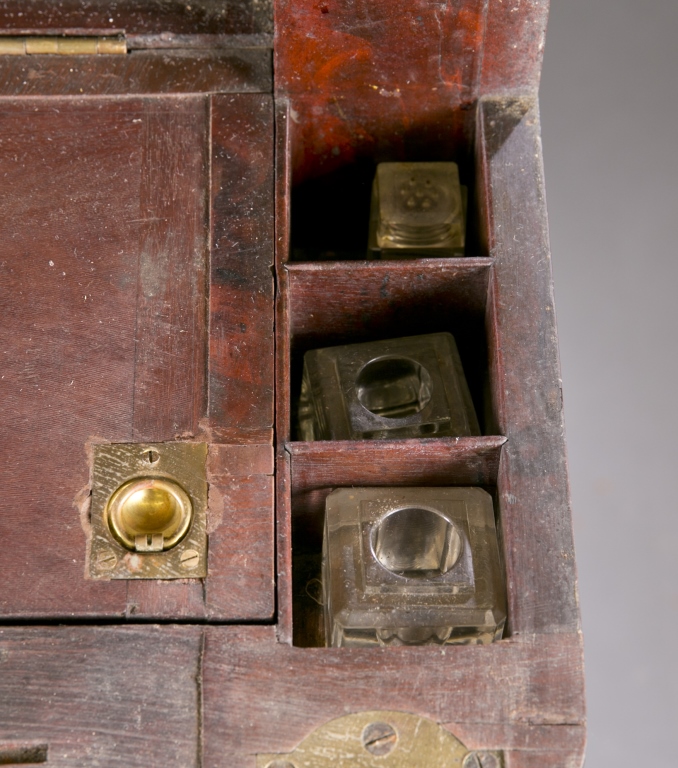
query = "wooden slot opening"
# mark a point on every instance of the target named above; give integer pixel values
(344, 303)
(321, 467)
(331, 190)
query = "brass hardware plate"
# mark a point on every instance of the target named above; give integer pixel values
(381, 739)
(136, 486)
(63, 46)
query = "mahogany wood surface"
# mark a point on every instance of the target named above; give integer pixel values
(136, 16)
(106, 222)
(354, 92)
(101, 696)
(428, 461)
(241, 343)
(535, 513)
(138, 73)
(281, 693)
(84, 260)
(143, 197)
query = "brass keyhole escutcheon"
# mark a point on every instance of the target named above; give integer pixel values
(149, 514)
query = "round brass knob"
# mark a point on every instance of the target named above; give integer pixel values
(149, 514)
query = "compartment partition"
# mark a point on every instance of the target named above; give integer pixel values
(323, 303)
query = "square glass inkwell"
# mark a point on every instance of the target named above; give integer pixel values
(411, 566)
(417, 210)
(381, 390)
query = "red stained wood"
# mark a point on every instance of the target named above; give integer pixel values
(513, 47)
(102, 696)
(242, 284)
(282, 693)
(441, 461)
(354, 94)
(160, 211)
(139, 73)
(69, 298)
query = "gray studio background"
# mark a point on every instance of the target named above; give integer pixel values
(609, 105)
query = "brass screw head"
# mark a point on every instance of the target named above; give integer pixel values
(379, 738)
(189, 559)
(107, 559)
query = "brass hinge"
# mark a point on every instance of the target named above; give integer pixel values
(64, 46)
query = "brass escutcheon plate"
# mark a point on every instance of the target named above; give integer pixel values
(381, 739)
(133, 483)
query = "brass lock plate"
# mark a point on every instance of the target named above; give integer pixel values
(148, 511)
(381, 739)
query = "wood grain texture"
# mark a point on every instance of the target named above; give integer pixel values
(170, 332)
(138, 73)
(535, 514)
(103, 696)
(104, 217)
(137, 16)
(105, 267)
(72, 192)
(241, 578)
(283, 520)
(241, 352)
(430, 461)
(283, 183)
(281, 693)
(513, 47)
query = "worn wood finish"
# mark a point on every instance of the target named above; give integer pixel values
(354, 95)
(536, 519)
(102, 696)
(137, 16)
(283, 521)
(104, 290)
(169, 399)
(429, 461)
(281, 693)
(138, 73)
(333, 143)
(85, 272)
(241, 578)
(241, 277)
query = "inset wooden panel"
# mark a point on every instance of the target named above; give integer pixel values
(104, 290)
(242, 281)
(103, 293)
(101, 696)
